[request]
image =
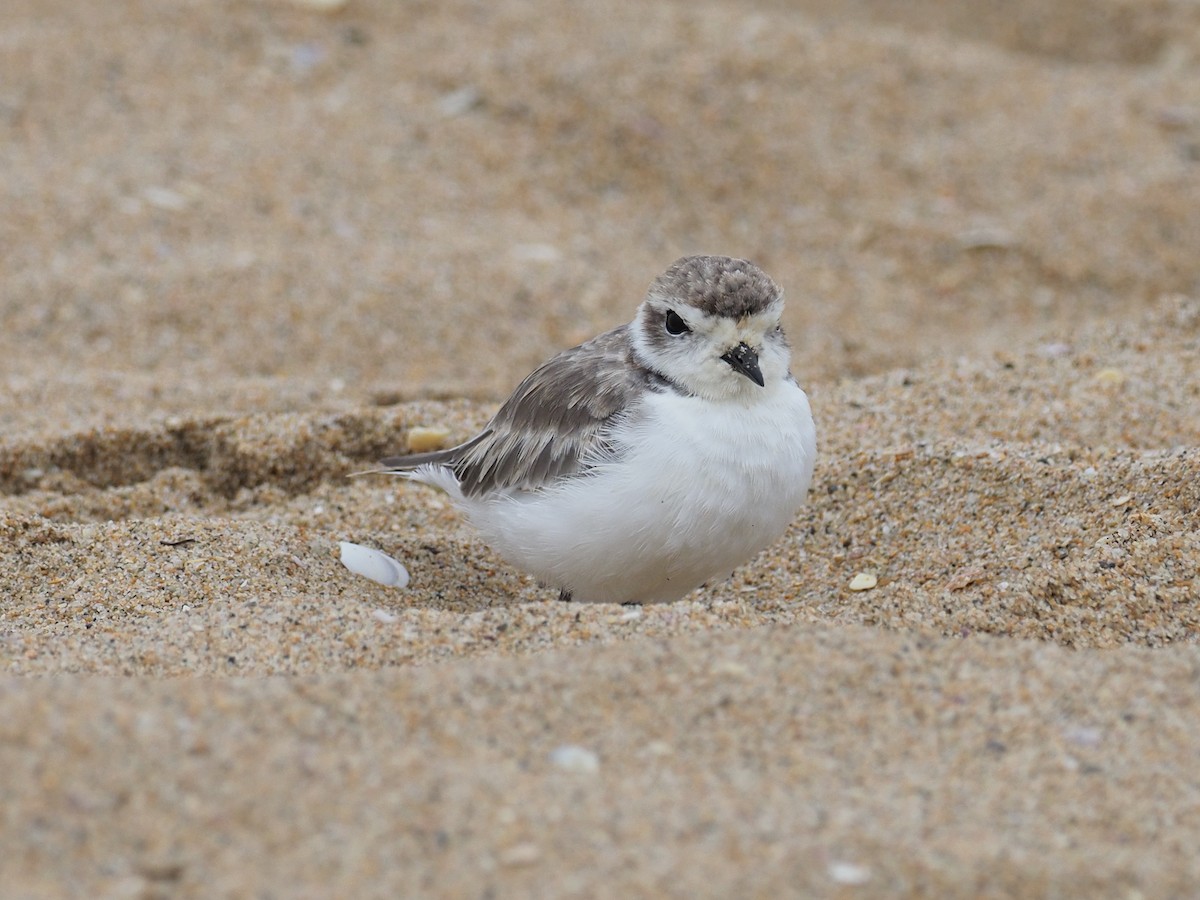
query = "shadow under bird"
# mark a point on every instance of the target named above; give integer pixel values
(654, 457)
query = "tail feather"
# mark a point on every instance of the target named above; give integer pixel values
(434, 468)
(416, 460)
(398, 465)
(406, 465)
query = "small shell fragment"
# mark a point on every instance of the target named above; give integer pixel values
(1109, 378)
(849, 873)
(165, 199)
(422, 440)
(987, 238)
(372, 564)
(863, 581)
(525, 854)
(573, 758)
(457, 103)
(730, 668)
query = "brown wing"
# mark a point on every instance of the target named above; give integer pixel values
(555, 421)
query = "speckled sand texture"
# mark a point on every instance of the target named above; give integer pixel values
(247, 247)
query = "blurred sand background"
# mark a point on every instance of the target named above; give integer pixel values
(246, 246)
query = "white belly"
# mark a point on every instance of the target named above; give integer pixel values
(700, 488)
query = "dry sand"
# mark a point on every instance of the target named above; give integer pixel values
(246, 246)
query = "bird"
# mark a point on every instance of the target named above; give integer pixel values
(651, 459)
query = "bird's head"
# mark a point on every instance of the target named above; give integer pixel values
(711, 325)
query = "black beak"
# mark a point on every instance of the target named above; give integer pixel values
(745, 360)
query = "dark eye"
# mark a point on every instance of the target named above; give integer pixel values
(676, 325)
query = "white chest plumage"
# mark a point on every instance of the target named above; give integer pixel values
(696, 489)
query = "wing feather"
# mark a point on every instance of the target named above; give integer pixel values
(556, 422)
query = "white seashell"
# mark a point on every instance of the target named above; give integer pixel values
(849, 873)
(372, 564)
(573, 758)
(863, 581)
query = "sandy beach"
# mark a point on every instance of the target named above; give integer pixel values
(248, 246)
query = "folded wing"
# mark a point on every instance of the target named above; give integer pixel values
(557, 422)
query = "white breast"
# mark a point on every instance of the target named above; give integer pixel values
(699, 488)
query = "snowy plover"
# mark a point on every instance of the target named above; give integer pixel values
(652, 458)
